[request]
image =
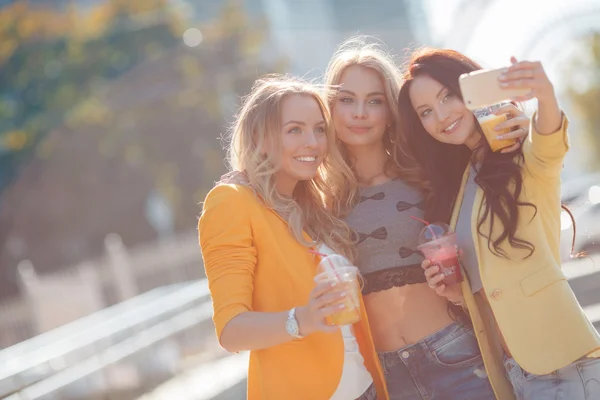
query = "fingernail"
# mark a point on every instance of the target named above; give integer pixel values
(502, 77)
(503, 84)
(343, 294)
(499, 137)
(497, 128)
(341, 306)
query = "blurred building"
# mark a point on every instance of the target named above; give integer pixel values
(307, 32)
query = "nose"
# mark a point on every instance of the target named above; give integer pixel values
(360, 111)
(310, 140)
(442, 112)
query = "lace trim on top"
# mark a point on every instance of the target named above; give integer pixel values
(393, 277)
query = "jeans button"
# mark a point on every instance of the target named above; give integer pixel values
(405, 354)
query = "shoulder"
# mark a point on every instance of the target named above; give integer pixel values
(229, 197)
(230, 193)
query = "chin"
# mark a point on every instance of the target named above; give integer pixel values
(307, 176)
(360, 140)
(456, 138)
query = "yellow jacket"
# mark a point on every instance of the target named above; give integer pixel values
(542, 323)
(253, 263)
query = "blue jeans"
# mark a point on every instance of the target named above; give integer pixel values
(577, 381)
(446, 365)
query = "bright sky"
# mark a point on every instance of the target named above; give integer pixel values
(509, 26)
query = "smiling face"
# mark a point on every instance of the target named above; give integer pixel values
(360, 111)
(303, 141)
(442, 113)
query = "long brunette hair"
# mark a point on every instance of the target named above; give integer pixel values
(444, 164)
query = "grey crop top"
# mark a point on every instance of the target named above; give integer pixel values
(387, 237)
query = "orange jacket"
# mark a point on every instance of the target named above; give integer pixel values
(254, 263)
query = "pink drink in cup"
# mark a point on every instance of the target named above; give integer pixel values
(336, 268)
(438, 244)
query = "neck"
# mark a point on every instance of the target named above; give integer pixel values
(285, 187)
(369, 162)
(472, 143)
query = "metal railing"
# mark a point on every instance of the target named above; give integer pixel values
(51, 361)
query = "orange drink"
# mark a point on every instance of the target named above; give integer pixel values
(488, 121)
(347, 277)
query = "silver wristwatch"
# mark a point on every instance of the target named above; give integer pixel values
(291, 325)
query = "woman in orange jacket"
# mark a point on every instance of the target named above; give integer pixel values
(256, 241)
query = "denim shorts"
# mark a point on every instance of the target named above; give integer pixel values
(577, 381)
(446, 365)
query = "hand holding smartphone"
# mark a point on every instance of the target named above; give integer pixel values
(483, 94)
(482, 88)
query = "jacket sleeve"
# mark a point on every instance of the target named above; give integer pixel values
(544, 154)
(225, 234)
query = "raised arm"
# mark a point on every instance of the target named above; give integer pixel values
(548, 142)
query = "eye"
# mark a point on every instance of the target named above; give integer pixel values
(346, 100)
(425, 113)
(376, 101)
(320, 129)
(447, 97)
(295, 129)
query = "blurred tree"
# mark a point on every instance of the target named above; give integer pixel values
(108, 112)
(584, 91)
(49, 64)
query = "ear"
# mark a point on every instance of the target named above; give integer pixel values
(265, 147)
(262, 145)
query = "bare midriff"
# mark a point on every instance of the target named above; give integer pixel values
(404, 315)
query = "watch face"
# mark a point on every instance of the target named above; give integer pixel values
(291, 327)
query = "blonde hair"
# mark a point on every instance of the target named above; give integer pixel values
(370, 53)
(257, 124)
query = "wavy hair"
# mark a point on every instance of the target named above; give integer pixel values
(444, 164)
(257, 125)
(369, 53)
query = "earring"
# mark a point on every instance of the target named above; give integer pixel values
(389, 134)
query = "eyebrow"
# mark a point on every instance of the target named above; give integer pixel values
(437, 95)
(302, 123)
(294, 122)
(368, 95)
(441, 90)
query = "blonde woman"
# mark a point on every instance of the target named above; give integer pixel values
(255, 241)
(426, 345)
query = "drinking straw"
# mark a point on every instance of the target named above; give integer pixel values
(427, 224)
(317, 253)
(331, 270)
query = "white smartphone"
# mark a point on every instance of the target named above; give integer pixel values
(481, 88)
